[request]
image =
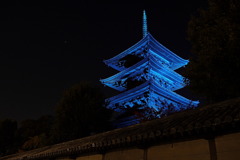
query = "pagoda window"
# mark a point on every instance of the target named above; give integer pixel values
(130, 60)
(132, 83)
(121, 63)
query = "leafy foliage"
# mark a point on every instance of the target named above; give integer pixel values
(8, 129)
(215, 38)
(80, 113)
(35, 142)
(35, 133)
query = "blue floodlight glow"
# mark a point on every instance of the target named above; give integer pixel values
(146, 77)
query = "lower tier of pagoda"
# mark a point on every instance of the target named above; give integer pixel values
(151, 95)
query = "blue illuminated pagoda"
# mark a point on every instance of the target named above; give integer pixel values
(147, 77)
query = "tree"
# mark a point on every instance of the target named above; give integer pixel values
(80, 113)
(8, 129)
(34, 142)
(215, 38)
(34, 133)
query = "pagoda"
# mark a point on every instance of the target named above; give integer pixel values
(147, 77)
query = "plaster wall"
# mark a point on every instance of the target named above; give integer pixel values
(127, 154)
(189, 150)
(228, 147)
(91, 157)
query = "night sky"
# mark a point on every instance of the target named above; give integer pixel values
(48, 47)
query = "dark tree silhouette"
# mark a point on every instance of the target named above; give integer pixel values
(8, 129)
(35, 133)
(80, 113)
(215, 37)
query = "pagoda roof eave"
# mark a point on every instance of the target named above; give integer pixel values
(172, 95)
(143, 41)
(161, 50)
(166, 72)
(151, 86)
(174, 60)
(118, 88)
(110, 80)
(130, 93)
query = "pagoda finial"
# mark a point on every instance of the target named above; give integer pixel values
(145, 31)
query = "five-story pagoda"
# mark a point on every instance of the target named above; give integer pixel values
(147, 77)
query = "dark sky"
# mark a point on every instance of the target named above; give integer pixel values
(47, 47)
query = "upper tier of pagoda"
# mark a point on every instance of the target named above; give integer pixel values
(147, 45)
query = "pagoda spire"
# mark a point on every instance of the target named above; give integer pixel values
(145, 31)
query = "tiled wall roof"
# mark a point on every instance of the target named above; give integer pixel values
(202, 122)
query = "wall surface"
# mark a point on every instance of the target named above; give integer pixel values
(91, 157)
(129, 154)
(228, 147)
(189, 150)
(221, 148)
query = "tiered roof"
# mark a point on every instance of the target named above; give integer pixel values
(146, 76)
